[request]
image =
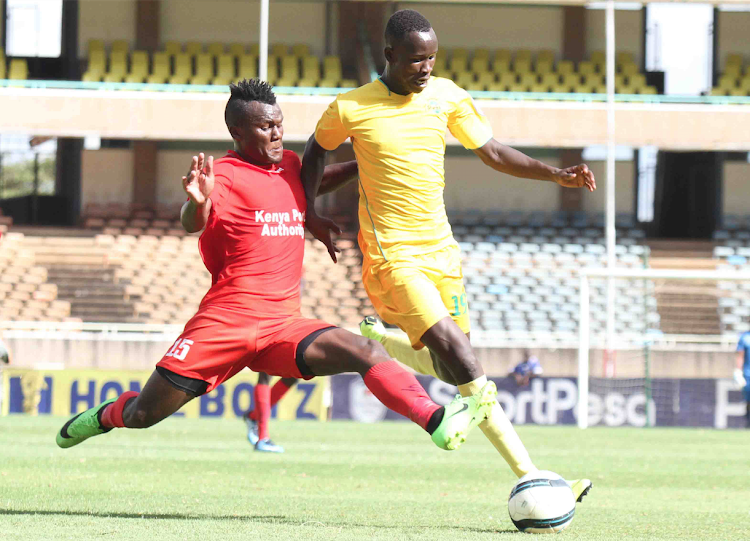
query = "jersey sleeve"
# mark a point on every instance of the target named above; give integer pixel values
(330, 131)
(467, 123)
(742, 344)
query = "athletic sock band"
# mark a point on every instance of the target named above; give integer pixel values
(111, 417)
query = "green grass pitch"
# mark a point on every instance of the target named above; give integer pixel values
(199, 479)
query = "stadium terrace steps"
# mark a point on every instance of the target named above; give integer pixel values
(686, 308)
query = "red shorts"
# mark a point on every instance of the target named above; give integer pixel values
(219, 342)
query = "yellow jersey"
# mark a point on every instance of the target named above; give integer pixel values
(399, 142)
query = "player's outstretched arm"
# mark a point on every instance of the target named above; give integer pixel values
(338, 175)
(313, 167)
(512, 162)
(198, 184)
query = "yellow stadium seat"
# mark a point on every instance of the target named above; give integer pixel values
(624, 89)
(546, 56)
(560, 89)
(501, 65)
(160, 66)
(727, 82)
(139, 64)
(620, 80)
(523, 54)
(502, 55)
(550, 79)
(566, 66)
(307, 83)
(332, 68)
(497, 87)
(254, 49)
(88, 77)
(744, 83)
(522, 65)
(349, 83)
(290, 67)
(734, 59)
(637, 80)
(311, 69)
(285, 81)
(236, 49)
(215, 48)
(595, 79)
(273, 69)
(204, 69)
(329, 83)
(528, 79)
(224, 69)
(464, 78)
(183, 69)
(114, 77)
(479, 65)
(120, 45)
(97, 62)
(586, 68)
(172, 48)
(118, 65)
(248, 66)
(647, 90)
(300, 50)
(157, 78)
(628, 69)
(199, 80)
(95, 45)
(544, 66)
(737, 92)
(459, 63)
(482, 53)
(279, 49)
(598, 89)
(718, 92)
(135, 78)
(733, 70)
(507, 79)
(624, 57)
(475, 86)
(598, 57)
(571, 79)
(486, 78)
(538, 88)
(440, 64)
(193, 48)
(460, 52)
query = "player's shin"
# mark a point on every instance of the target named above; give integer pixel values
(400, 391)
(398, 346)
(498, 429)
(262, 409)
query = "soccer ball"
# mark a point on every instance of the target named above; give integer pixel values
(541, 502)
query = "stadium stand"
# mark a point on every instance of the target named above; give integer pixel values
(524, 71)
(214, 63)
(735, 79)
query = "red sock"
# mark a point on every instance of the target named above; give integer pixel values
(262, 409)
(400, 391)
(278, 391)
(112, 415)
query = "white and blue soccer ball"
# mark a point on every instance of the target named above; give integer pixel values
(541, 502)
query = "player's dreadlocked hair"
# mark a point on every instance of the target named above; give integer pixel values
(243, 92)
(403, 22)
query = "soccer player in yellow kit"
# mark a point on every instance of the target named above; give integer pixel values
(412, 263)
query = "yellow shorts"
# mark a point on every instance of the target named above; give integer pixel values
(416, 292)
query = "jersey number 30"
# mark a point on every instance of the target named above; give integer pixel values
(179, 349)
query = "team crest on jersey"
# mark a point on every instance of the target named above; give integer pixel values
(434, 106)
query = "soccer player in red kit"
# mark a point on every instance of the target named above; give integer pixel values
(252, 205)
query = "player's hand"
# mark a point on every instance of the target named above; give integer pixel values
(199, 182)
(739, 378)
(578, 176)
(321, 229)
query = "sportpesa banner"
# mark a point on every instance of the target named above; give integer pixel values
(67, 392)
(546, 401)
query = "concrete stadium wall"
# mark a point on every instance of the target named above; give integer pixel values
(107, 20)
(107, 176)
(733, 27)
(736, 188)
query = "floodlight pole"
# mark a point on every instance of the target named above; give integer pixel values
(263, 42)
(609, 187)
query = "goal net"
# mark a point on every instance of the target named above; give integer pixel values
(674, 331)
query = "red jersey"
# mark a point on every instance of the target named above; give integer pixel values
(254, 241)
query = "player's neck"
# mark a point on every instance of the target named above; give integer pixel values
(393, 86)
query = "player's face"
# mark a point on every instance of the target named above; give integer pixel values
(410, 61)
(260, 140)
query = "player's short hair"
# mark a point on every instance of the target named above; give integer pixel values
(244, 92)
(404, 22)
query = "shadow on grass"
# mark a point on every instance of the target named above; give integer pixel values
(268, 519)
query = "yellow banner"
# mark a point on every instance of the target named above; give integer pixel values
(67, 392)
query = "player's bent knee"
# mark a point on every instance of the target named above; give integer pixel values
(369, 353)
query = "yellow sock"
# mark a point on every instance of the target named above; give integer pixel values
(399, 347)
(498, 429)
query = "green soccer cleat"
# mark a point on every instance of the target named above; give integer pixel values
(580, 488)
(83, 426)
(371, 328)
(463, 414)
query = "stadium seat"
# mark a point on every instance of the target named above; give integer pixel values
(544, 67)
(637, 80)
(138, 67)
(550, 79)
(2, 68)
(480, 64)
(273, 69)
(120, 46)
(96, 65)
(172, 48)
(733, 59)
(311, 69)
(95, 45)
(463, 78)
(628, 69)
(624, 57)
(586, 68)
(565, 67)
(279, 49)
(528, 79)
(440, 68)
(248, 66)
(290, 68)
(727, 82)
(236, 49)
(225, 72)
(486, 78)
(733, 71)
(332, 68)
(545, 55)
(160, 69)
(193, 48)
(300, 50)
(507, 79)
(522, 65)
(329, 83)
(204, 69)
(599, 58)
(183, 69)
(215, 48)
(254, 49)
(459, 64)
